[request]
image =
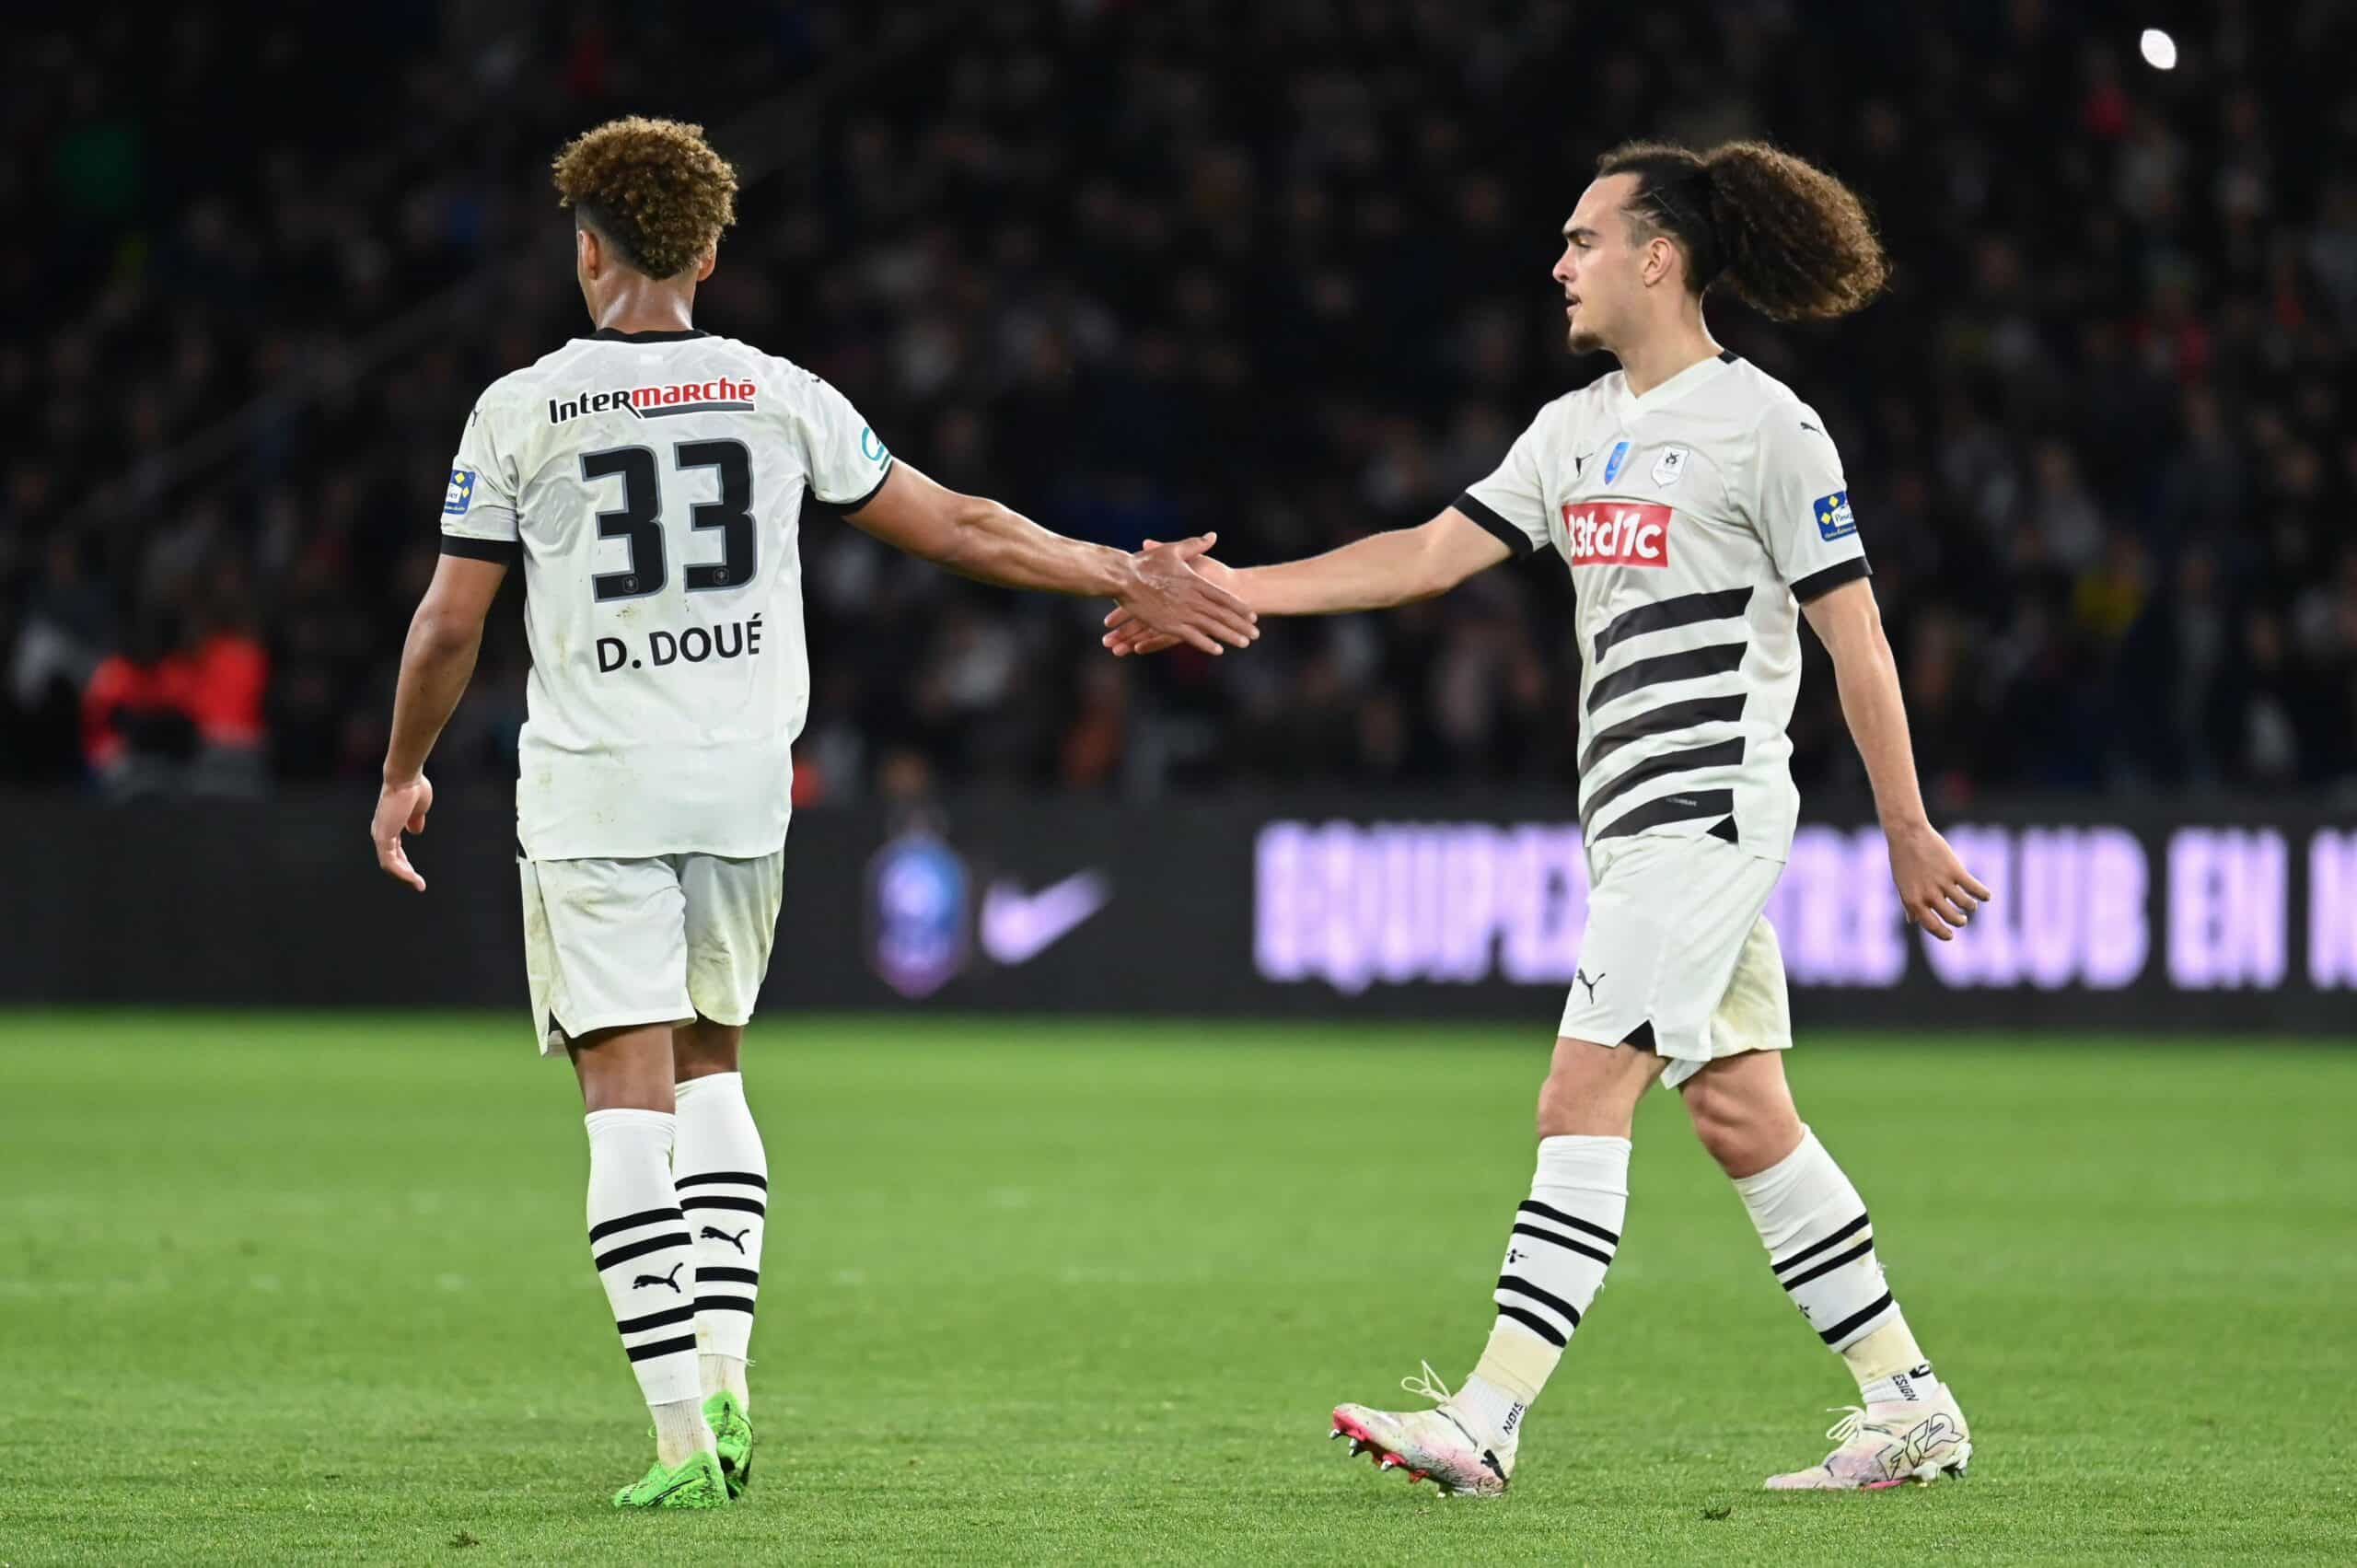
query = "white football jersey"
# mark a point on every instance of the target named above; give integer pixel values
(652, 486)
(1695, 521)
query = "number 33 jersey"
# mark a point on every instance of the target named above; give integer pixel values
(1695, 521)
(651, 483)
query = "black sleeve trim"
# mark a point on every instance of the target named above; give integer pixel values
(1517, 543)
(506, 552)
(1817, 585)
(848, 507)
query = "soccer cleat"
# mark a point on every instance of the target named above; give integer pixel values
(695, 1482)
(732, 1433)
(1890, 1445)
(1441, 1443)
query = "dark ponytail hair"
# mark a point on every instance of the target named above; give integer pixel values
(1793, 242)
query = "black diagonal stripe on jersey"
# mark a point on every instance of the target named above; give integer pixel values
(1537, 1325)
(1813, 1248)
(1671, 809)
(662, 1320)
(1664, 720)
(1533, 1206)
(1856, 1320)
(631, 1222)
(1581, 1247)
(1547, 1299)
(1719, 658)
(1662, 614)
(735, 1178)
(1693, 759)
(1794, 1282)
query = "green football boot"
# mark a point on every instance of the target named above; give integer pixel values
(694, 1483)
(732, 1433)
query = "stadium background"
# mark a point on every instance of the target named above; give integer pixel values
(1279, 270)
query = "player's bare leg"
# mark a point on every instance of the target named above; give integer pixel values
(640, 1243)
(1820, 1243)
(722, 1172)
(1562, 1239)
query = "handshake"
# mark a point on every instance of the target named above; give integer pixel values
(1177, 593)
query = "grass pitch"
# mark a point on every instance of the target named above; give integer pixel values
(280, 1289)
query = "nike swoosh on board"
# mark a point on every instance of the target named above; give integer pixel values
(1017, 926)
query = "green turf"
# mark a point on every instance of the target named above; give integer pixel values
(315, 1289)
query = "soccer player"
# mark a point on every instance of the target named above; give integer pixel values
(650, 478)
(1702, 511)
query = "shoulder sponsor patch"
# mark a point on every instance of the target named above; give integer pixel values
(871, 445)
(1833, 518)
(461, 493)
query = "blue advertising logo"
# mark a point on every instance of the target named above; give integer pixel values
(1833, 518)
(1612, 464)
(918, 896)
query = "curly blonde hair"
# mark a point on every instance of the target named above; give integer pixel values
(655, 188)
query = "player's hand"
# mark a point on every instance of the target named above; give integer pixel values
(1128, 634)
(1176, 597)
(401, 807)
(1935, 890)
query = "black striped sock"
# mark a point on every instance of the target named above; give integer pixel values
(723, 1179)
(1821, 1244)
(1564, 1237)
(640, 1247)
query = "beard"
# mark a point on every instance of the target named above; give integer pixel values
(1582, 340)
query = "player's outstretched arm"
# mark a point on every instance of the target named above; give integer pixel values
(1934, 886)
(1374, 573)
(978, 537)
(436, 661)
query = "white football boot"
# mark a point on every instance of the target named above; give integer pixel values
(1888, 1444)
(1444, 1442)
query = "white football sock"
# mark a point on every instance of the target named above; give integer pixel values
(726, 1375)
(680, 1431)
(1564, 1239)
(1821, 1246)
(1915, 1385)
(722, 1174)
(639, 1242)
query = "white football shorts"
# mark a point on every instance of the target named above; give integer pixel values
(1677, 947)
(613, 943)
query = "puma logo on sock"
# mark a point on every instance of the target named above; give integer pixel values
(737, 1240)
(670, 1279)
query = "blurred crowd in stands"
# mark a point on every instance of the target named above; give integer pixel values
(1145, 269)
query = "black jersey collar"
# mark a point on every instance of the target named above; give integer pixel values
(616, 335)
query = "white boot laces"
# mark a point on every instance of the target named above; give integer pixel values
(1428, 1386)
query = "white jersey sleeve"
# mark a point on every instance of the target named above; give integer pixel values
(1800, 503)
(479, 507)
(1512, 503)
(847, 461)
